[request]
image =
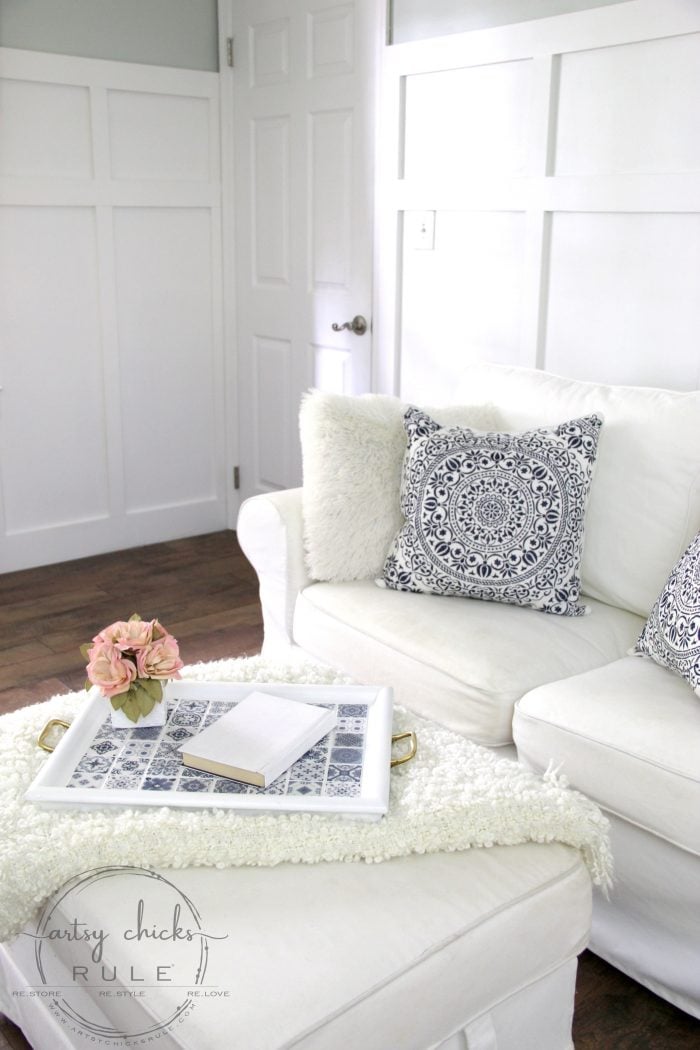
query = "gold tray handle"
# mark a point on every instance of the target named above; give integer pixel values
(51, 724)
(412, 747)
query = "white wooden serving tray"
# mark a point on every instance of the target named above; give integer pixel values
(346, 772)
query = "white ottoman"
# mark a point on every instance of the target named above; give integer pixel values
(470, 949)
(474, 949)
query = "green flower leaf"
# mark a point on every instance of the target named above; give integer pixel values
(131, 707)
(145, 703)
(118, 701)
(85, 650)
(134, 616)
(88, 685)
(152, 686)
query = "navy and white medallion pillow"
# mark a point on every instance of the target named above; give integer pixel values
(494, 516)
(671, 635)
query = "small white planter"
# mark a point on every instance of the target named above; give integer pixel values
(155, 718)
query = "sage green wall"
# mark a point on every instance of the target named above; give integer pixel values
(179, 33)
(416, 19)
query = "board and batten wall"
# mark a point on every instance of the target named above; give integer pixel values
(112, 428)
(539, 201)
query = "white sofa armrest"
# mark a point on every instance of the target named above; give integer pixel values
(270, 532)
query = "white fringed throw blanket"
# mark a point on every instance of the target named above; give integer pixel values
(454, 795)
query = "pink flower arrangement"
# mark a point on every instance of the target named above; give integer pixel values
(129, 661)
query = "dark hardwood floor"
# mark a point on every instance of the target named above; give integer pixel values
(205, 592)
(203, 589)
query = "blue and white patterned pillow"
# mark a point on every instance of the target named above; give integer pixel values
(671, 635)
(494, 516)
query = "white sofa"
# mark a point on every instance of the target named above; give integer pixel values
(621, 728)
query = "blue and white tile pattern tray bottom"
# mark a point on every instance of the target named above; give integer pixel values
(346, 772)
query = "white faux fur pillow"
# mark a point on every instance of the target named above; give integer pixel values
(353, 449)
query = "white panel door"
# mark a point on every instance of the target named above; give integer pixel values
(302, 95)
(111, 344)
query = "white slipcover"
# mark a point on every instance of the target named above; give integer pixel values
(644, 504)
(458, 661)
(370, 957)
(466, 669)
(628, 735)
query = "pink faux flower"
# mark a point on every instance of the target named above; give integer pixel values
(109, 634)
(160, 660)
(158, 630)
(127, 634)
(109, 670)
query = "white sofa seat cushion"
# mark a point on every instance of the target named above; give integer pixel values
(459, 661)
(338, 955)
(627, 735)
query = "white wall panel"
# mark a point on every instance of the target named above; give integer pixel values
(273, 364)
(331, 167)
(614, 106)
(269, 190)
(462, 300)
(164, 295)
(623, 299)
(52, 421)
(466, 122)
(45, 130)
(157, 136)
(331, 41)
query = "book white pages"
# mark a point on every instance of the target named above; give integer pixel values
(259, 739)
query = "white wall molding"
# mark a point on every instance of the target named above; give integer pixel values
(101, 72)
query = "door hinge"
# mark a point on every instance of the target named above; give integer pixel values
(229, 50)
(236, 477)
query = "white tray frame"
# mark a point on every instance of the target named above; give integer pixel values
(48, 787)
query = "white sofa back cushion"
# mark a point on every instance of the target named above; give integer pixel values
(353, 449)
(644, 506)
